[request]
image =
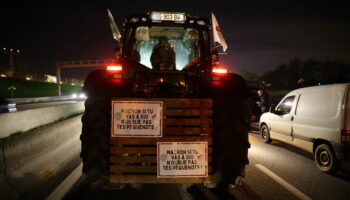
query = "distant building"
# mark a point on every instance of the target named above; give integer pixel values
(50, 79)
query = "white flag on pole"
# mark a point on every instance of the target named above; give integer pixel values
(115, 31)
(217, 34)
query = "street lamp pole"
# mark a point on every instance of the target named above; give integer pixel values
(11, 53)
(58, 87)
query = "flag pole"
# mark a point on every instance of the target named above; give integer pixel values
(211, 19)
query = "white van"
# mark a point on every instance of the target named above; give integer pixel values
(316, 119)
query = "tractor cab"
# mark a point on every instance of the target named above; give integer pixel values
(165, 41)
(168, 55)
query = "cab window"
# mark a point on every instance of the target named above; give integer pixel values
(286, 106)
(182, 42)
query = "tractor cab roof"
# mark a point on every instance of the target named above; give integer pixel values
(159, 18)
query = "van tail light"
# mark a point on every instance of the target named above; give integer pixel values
(114, 68)
(219, 71)
(345, 136)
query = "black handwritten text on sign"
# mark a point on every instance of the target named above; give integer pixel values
(182, 159)
(137, 118)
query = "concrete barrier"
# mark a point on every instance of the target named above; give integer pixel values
(31, 160)
(26, 120)
(39, 99)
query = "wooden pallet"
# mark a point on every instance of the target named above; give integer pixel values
(134, 159)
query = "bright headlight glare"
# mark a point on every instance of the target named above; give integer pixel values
(82, 96)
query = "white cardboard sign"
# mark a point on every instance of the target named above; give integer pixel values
(137, 118)
(182, 159)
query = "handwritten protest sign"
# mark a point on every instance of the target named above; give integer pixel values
(137, 118)
(182, 159)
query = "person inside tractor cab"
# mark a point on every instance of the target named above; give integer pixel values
(163, 55)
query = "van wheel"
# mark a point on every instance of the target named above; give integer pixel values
(265, 134)
(325, 158)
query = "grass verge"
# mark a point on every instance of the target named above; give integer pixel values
(26, 88)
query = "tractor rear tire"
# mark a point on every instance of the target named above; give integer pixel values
(230, 139)
(95, 137)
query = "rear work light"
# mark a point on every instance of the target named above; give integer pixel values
(345, 136)
(114, 68)
(219, 71)
(115, 71)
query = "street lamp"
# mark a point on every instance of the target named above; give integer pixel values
(11, 53)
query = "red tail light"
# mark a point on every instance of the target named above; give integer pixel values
(115, 71)
(114, 68)
(219, 71)
(345, 136)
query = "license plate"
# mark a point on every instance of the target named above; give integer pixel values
(165, 16)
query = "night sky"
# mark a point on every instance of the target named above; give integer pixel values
(260, 36)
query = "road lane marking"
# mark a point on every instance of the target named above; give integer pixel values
(284, 183)
(66, 184)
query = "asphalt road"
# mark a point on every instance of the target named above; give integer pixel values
(276, 171)
(147, 192)
(281, 171)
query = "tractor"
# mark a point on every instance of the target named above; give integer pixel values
(165, 111)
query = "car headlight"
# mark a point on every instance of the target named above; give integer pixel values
(82, 96)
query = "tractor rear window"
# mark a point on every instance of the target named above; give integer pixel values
(169, 48)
